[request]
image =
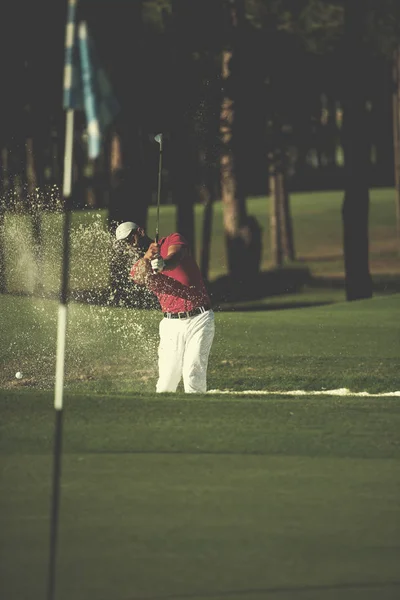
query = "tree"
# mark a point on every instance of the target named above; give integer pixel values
(118, 34)
(383, 31)
(243, 234)
(181, 147)
(396, 133)
(281, 230)
(119, 37)
(210, 149)
(355, 208)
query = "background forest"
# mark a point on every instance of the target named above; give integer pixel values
(254, 98)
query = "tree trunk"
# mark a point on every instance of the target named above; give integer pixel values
(331, 135)
(121, 29)
(287, 227)
(4, 182)
(396, 135)
(183, 188)
(3, 204)
(126, 202)
(181, 147)
(207, 222)
(119, 269)
(382, 118)
(206, 240)
(233, 199)
(243, 234)
(210, 152)
(357, 160)
(282, 244)
(276, 219)
(3, 280)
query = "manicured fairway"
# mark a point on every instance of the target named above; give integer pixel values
(199, 497)
(112, 351)
(203, 498)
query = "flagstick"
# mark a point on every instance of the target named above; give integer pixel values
(60, 360)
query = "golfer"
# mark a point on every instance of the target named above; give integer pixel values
(187, 329)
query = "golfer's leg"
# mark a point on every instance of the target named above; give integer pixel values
(199, 338)
(170, 355)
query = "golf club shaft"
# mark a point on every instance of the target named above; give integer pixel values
(159, 140)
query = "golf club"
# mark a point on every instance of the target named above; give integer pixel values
(159, 139)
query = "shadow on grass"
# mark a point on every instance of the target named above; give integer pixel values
(320, 259)
(380, 283)
(258, 307)
(228, 293)
(278, 590)
(275, 282)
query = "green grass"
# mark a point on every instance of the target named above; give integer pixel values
(317, 231)
(177, 496)
(114, 350)
(203, 498)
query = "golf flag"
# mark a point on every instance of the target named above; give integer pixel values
(86, 85)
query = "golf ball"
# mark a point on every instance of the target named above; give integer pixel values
(18, 375)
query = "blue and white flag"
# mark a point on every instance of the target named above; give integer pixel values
(86, 85)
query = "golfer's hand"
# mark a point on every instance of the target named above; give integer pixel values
(153, 251)
(157, 264)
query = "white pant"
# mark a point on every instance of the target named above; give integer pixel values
(184, 349)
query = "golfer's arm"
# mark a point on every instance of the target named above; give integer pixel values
(175, 256)
(142, 268)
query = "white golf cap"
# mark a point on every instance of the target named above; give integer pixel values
(123, 230)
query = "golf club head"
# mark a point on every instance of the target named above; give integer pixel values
(158, 138)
